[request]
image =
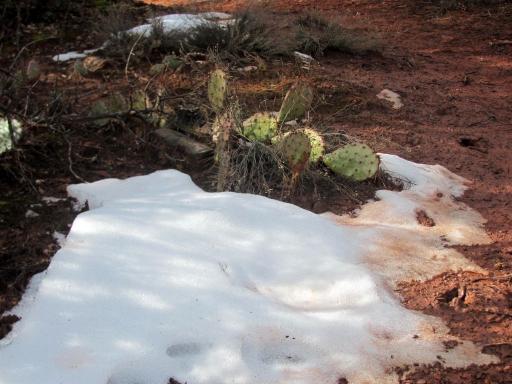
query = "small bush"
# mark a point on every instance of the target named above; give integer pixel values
(250, 32)
(317, 35)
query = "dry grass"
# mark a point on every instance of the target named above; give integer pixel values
(317, 35)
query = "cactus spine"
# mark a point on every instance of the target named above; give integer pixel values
(354, 161)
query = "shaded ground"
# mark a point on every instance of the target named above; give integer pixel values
(455, 79)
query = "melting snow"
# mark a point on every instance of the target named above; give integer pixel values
(73, 55)
(161, 279)
(183, 22)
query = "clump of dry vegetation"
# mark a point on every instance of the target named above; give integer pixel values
(317, 35)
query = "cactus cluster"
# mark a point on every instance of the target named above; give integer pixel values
(353, 161)
(297, 147)
(217, 89)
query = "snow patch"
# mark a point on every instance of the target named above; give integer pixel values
(398, 246)
(182, 22)
(161, 279)
(73, 55)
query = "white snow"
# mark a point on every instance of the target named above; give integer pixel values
(398, 247)
(73, 55)
(182, 22)
(60, 238)
(160, 279)
(49, 200)
(30, 214)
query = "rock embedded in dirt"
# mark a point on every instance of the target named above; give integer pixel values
(393, 97)
(424, 219)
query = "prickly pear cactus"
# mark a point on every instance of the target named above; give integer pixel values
(139, 100)
(354, 161)
(260, 127)
(315, 139)
(296, 102)
(295, 149)
(217, 89)
(172, 62)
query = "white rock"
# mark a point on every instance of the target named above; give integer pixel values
(392, 97)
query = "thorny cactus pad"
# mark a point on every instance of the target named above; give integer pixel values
(296, 103)
(217, 89)
(315, 139)
(260, 127)
(354, 161)
(295, 149)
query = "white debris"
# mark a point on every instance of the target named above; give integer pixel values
(30, 214)
(160, 279)
(49, 200)
(73, 55)
(305, 60)
(5, 136)
(392, 97)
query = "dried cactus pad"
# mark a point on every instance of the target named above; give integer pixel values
(296, 149)
(222, 126)
(33, 70)
(260, 127)
(296, 102)
(217, 89)
(354, 161)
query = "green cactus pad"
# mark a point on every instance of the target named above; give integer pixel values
(354, 161)
(315, 139)
(296, 103)
(260, 127)
(111, 104)
(217, 89)
(172, 62)
(295, 147)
